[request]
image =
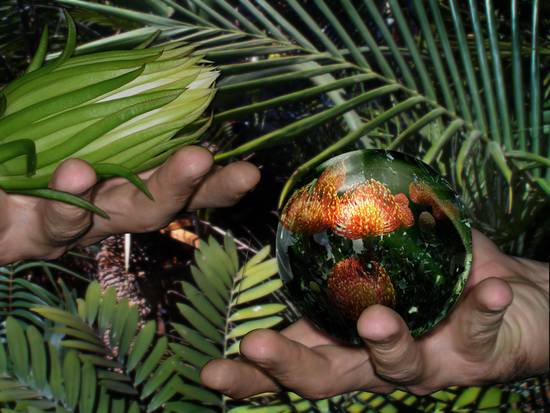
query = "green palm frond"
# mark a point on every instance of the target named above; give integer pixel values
(91, 354)
(224, 302)
(129, 361)
(18, 295)
(36, 377)
(97, 357)
(449, 82)
(454, 399)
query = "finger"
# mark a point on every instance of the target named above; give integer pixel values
(394, 353)
(304, 332)
(176, 180)
(480, 316)
(236, 379)
(298, 367)
(171, 185)
(226, 186)
(239, 379)
(62, 223)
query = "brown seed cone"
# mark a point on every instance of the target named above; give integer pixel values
(111, 271)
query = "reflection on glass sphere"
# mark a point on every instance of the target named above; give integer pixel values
(373, 227)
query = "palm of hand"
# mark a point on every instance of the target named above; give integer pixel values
(38, 228)
(495, 333)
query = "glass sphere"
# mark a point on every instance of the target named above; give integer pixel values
(373, 227)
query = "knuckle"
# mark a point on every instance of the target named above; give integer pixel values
(401, 376)
(54, 253)
(421, 390)
(314, 394)
(63, 234)
(317, 391)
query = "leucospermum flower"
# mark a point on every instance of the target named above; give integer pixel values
(354, 285)
(370, 209)
(121, 111)
(314, 207)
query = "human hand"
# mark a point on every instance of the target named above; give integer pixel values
(497, 332)
(38, 228)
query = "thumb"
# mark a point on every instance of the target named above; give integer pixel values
(64, 223)
(394, 353)
(481, 315)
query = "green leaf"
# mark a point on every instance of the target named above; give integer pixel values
(207, 288)
(202, 305)
(134, 408)
(126, 14)
(208, 268)
(3, 104)
(258, 292)
(3, 360)
(219, 258)
(71, 378)
(301, 126)
(81, 308)
(257, 259)
(70, 45)
(161, 375)
(248, 326)
(56, 104)
(107, 309)
(88, 392)
(83, 335)
(17, 348)
(197, 393)
(56, 373)
(25, 147)
(38, 356)
(257, 311)
(492, 398)
(233, 349)
(231, 250)
(152, 361)
(129, 332)
(118, 406)
(467, 397)
(188, 372)
(166, 393)
(84, 345)
(104, 401)
(112, 375)
(100, 361)
(495, 150)
(187, 354)
(55, 195)
(269, 409)
(149, 40)
(141, 345)
(122, 311)
(257, 274)
(105, 171)
(93, 297)
(38, 58)
(118, 387)
(196, 340)
(200, 323)
(176, 407)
